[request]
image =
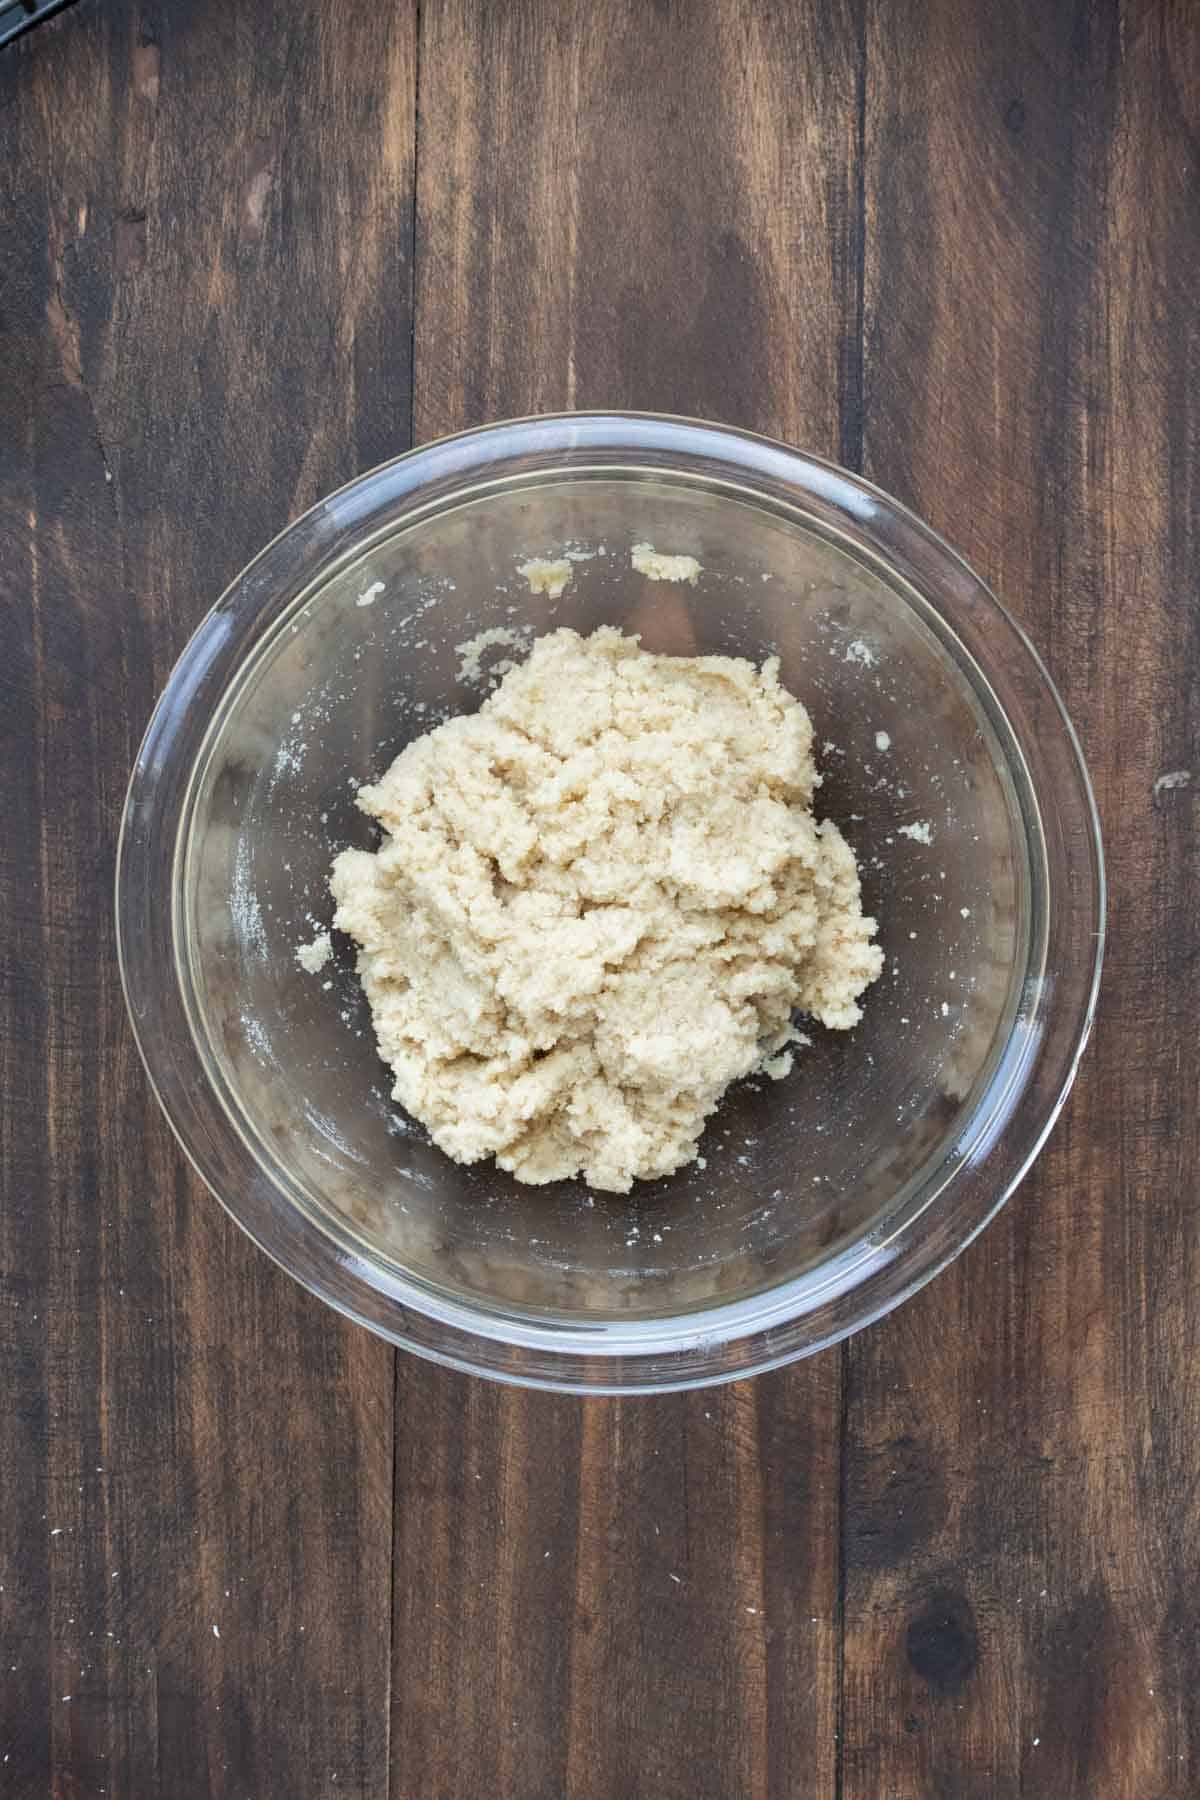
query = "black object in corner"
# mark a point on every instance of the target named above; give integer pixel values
(17, 16)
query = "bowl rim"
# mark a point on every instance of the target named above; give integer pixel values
(723, 1342)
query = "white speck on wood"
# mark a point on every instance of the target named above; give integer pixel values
(1174, 778)
(256, 201)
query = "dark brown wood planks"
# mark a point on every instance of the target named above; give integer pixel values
(652, 207)
(204, 294)
(1021, 1520)
(205, 308)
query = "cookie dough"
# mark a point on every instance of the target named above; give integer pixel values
(657, 565)
(313, 957)
(549, 578)
(598, 901)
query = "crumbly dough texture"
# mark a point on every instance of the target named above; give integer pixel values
(598, 901)
(657, 565)
(549, 578)
(313, 957)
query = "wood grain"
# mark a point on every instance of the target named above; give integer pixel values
(1021, 1524)
(956, 245)
(205, 303)
(654, 207)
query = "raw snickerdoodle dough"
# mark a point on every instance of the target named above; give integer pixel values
(598, 901)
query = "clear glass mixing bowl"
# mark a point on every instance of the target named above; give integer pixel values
(949, 763)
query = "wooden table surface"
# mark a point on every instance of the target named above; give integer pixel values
(251, 247)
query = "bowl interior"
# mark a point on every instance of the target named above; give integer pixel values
(919, 770)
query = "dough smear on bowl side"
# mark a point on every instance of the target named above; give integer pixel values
(598, 901)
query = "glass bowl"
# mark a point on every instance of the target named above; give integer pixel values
(819, 1202)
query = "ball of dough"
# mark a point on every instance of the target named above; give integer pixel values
(598, 901)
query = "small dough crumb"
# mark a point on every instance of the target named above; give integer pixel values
(546, 577)
(470, 655)
(858, 652)
(598, 901)
(370, 594)
(313, 957)
(882, 741)
(657, 566)
(920, 833)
